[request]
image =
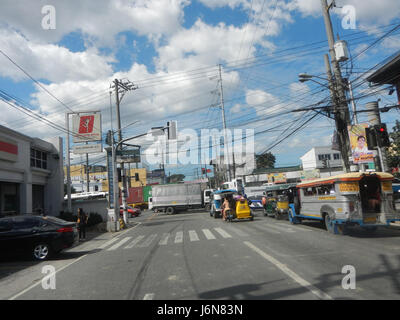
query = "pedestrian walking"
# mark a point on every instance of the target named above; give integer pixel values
(82, 222)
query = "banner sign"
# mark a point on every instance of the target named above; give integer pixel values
(131, 156)
(87, 148)
(86, 127)
(358, 142)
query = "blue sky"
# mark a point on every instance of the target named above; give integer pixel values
(171, 49)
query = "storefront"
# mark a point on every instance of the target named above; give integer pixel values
(31, 174)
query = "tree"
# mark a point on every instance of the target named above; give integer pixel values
(176, 178)
(265, 161)
(393, 154)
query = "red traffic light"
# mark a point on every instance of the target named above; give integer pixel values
(381, 129)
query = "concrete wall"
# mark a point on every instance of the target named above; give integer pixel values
(95, 205)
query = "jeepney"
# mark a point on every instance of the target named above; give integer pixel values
(358, 198)
(277, 198)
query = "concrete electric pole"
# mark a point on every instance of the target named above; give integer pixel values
(226, 142)
(124, 86)
(342, 116)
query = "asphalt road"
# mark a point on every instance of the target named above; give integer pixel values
(194, 256)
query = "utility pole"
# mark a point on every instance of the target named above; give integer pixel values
(125, 86)
(341, 109)
(226, 144)
(87, 173)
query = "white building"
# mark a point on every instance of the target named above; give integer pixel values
(323, 158)
(31, 174)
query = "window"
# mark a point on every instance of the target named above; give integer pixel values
(38, 159)
(320, 190)
(25, 222)
(324, 157)
(336, 156)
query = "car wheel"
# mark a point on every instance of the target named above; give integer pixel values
(41, 251)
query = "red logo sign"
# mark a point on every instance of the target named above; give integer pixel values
(86, 124)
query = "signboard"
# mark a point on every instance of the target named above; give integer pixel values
(358, 142)
(277, 178)
(86, 127)
(87, 148)
(8, 149)
(310, 175)
(131, 156)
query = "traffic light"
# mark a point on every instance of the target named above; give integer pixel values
(119, 175)
(371, 138)
(382, 135)
(109, 137)
(136, 176)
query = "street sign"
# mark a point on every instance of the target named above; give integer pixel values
(86, 127)
(130, 156)
(87, 148)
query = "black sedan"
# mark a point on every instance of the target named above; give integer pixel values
(38, 236)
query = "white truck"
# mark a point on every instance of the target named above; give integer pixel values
(173, 198)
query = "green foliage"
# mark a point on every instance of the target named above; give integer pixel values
(176, 178)
(265, 161)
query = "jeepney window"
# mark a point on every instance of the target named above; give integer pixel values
(326, 189)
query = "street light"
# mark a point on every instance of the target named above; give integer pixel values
(303, 77)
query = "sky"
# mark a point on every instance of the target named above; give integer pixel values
(65, 59)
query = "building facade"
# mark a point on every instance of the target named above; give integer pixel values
(31, 174)
(324, 159)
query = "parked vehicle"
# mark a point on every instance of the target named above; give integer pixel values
(207, 199)
(256, 202)
(173, 198)
(396, 196)
(277, 199)
(37, 236)
(133, 212)
(364, 199)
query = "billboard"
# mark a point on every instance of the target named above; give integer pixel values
(358, 143)
(86, 127)
(277, 178)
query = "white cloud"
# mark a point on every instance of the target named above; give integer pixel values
(100, 20)
(48, 61)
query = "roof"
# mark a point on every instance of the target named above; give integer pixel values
(353, 176)
(276, 170)
(389, 72)
(224, 191)
(280, 186)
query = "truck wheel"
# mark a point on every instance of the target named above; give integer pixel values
(170, 210)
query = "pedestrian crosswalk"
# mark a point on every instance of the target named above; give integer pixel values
(194, 236)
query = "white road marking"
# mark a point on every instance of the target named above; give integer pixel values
(108, 243)
(148, 241)
(134, 242)
(179, 237)
(314, 290)
(40, 281)
(208, 234)
(223, 233)
(148, 296)
(164, 239)
(302, 228)
(193, 236)
(118, 244)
